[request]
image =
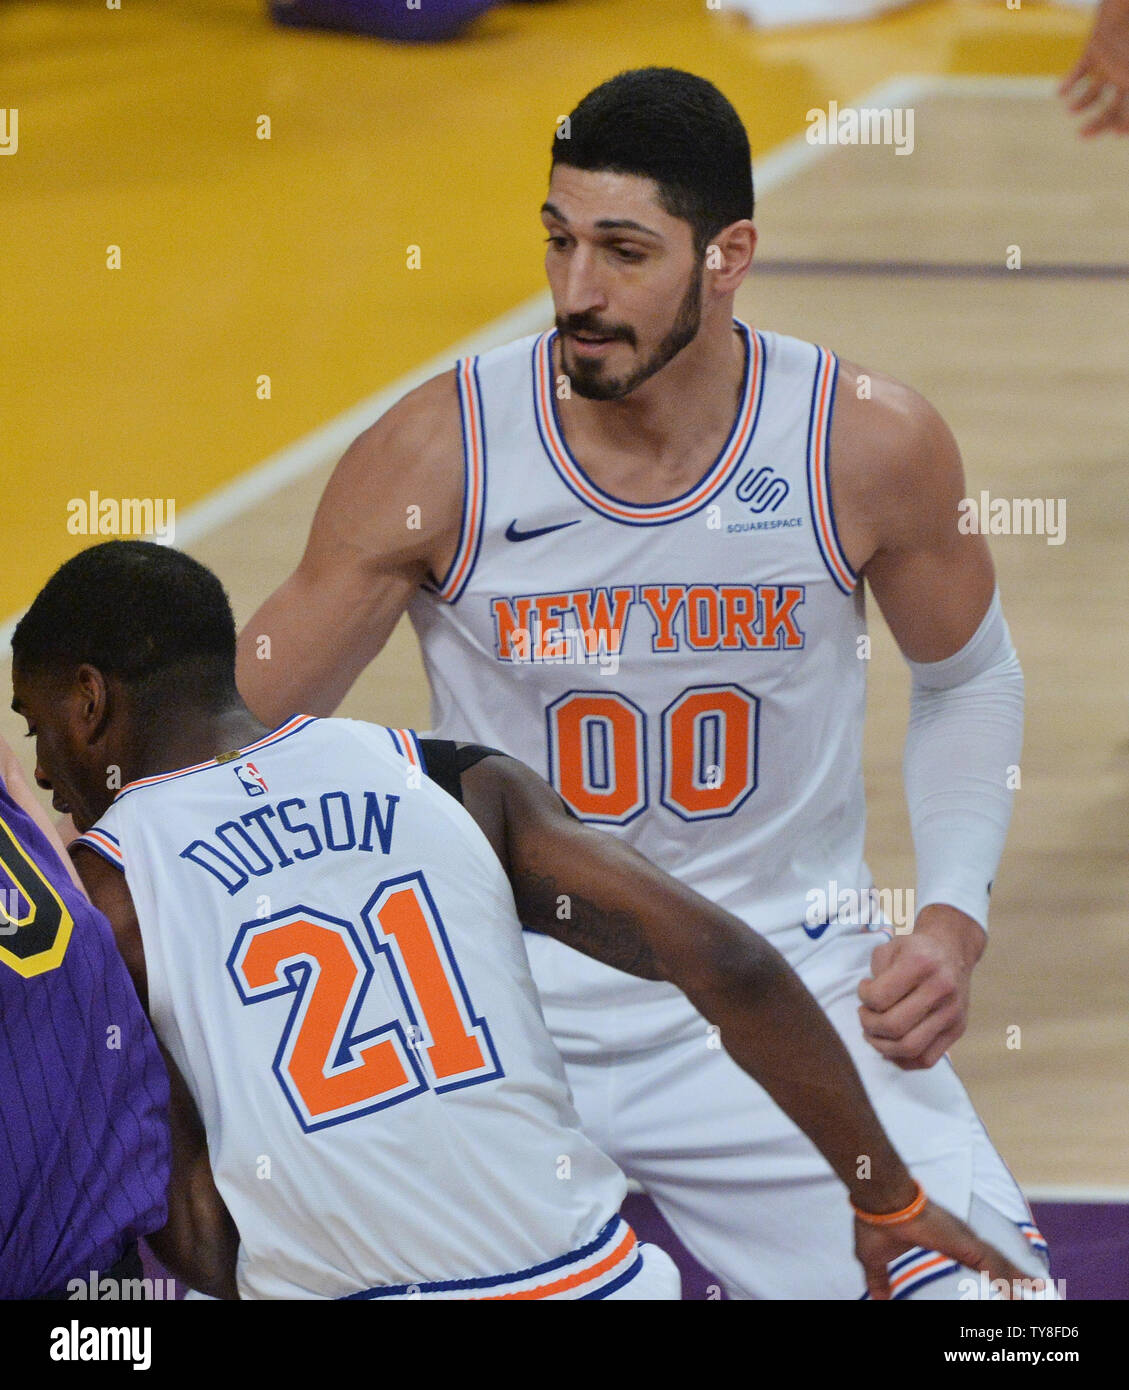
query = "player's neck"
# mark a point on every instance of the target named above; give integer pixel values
(675, 423)
(185, 737)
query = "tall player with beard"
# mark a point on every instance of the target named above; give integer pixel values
(639, 570)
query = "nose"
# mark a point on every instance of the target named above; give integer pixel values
(582, 291)
(42, 780)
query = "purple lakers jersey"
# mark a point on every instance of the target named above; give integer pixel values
(84, 1146)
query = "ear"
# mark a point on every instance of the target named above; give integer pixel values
(730, 254)
(91, 708)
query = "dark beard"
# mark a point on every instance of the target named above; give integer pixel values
(587, 379)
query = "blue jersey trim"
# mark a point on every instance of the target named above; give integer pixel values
(465, 539)
(827, 469)
(625, 1278)
(605, 1236)
(175, 774)
(934, 1274)
(826, 472)
(712, 492)
(99, 849)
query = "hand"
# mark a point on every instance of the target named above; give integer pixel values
(1104, 63)
(935, 1229)
(915, 1005)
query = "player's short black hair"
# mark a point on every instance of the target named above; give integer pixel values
(151, 616)
(675, 128)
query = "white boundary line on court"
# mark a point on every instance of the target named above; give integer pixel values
(333, 438)
(990, 86)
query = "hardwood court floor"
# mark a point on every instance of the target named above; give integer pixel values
(138, 395)
(1031, 375)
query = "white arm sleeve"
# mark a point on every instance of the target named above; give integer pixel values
(961, 756)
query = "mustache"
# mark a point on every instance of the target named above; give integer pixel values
(585, 323)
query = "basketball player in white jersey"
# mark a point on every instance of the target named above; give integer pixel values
(366, 1103)
(633, 551)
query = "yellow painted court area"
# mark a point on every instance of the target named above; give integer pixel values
(243, 257)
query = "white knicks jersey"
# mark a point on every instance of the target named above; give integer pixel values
(689, 674)
(336, 967)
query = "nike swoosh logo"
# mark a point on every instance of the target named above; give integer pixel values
(513, 534)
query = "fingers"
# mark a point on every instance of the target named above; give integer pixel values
(874, 1250)
(938, 1229)
(1089, 91)
(986, 1259)
(916, 1005)
(923, 1045)
(1115, 117)
(933, 1053)
(895, 975)
(1080, 69)
(882, 956)
(877, 1279)
(935, 992)
(1120, 121)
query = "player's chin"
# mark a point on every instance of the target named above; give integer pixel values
(600, 381)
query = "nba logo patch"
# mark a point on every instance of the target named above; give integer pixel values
(250, 779)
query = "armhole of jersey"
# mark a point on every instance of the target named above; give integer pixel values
(819, 471)
(451, 586)
(441, 762)
(446, 762)
(406, 742)
(103, 843)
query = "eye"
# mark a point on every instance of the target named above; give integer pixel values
(557, 241)
(625, 254)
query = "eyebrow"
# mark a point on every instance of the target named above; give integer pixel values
(605, 224)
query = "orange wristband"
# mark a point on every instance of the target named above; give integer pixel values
(894, 1218)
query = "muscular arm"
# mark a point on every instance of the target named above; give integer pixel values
(620, 909)
(199, 1241)
(593, 892)
(898, 481)
(366, 554)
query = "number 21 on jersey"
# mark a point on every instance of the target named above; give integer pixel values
(329, 1072)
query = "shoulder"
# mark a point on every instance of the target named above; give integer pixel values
(396, 496)
(890, 432)
(426, 416)
(508, 799)
(894, 460)
(419, 439)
